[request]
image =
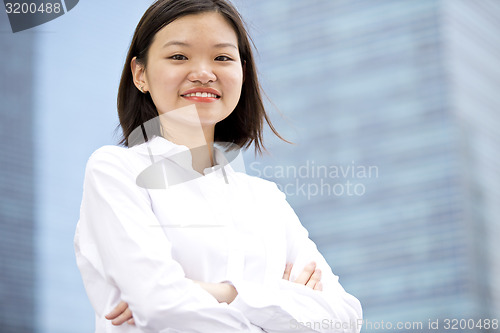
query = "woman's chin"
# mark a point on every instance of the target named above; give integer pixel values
(208, 119)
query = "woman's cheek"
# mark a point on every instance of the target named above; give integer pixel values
(236, 81)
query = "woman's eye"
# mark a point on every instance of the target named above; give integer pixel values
(178, 57)
(223, 58)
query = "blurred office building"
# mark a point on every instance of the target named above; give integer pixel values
(17, 195)
(401, 99)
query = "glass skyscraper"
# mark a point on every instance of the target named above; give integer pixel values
(408, 90)
(17, 195)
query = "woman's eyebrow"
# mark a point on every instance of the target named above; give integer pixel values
(179, 43)
(175, 42)
(221, 45)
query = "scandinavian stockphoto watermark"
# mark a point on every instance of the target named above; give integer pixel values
(308, 179)
(171, 165)
(25, 15)
(311, 179)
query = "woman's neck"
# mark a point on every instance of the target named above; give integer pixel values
(183, 126)
(200, 144)
(203, 155)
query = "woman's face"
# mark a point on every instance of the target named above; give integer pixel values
(194, 60)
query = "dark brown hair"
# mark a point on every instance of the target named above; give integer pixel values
(244, 125)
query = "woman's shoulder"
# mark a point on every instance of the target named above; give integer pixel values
(109, 152)
(111, 157)
(257, 181)
(261, 185)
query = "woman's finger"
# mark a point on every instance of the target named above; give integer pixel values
(318, 286)
(123, 317)
(306, 273)
(122, 306)
(315, 278)
(288, 270)
(131, 321)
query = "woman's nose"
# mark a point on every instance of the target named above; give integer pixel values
(203, 73)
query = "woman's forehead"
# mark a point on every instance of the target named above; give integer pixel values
(190, 28)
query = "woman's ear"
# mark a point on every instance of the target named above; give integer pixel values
(139, 75)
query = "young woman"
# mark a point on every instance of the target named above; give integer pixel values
(171, 238)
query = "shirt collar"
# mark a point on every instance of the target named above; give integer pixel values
(158, 147)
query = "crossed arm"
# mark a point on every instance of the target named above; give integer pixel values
(112, 204)
(225, 292)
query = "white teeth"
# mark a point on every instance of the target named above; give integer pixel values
(200, 94)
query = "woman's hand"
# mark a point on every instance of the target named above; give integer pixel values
(120, 314)
(225, 292)
(310, 276)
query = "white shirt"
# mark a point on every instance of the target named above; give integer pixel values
(145, 246)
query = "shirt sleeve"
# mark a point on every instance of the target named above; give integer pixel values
(286, 306)
(135, 255)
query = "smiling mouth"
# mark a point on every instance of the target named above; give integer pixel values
(201, 94)
(202, 97)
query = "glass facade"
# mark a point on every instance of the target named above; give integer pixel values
(17, 220)
(405, 89)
